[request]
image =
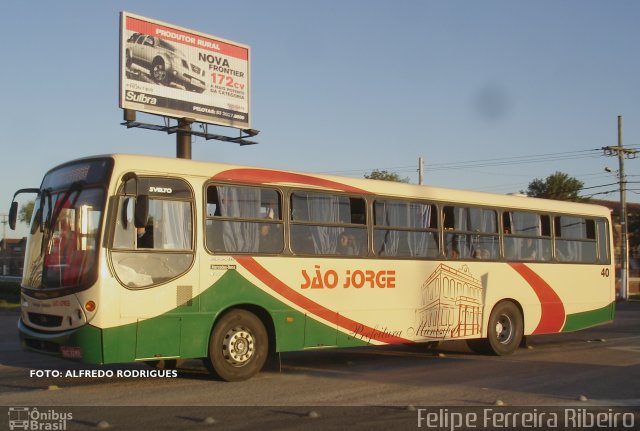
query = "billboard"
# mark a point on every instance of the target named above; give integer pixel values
(180, 73)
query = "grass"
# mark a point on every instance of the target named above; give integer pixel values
(9, 295)
(4, 305)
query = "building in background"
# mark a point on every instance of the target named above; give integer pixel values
(633, 229)
(12, 256)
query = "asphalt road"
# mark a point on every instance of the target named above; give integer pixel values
(365, 388)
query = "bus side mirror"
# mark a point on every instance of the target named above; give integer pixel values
(142, 211)
(13, 215)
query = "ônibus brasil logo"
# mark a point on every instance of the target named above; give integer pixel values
(27, 418)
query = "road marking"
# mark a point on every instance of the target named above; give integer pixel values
(633, 402)
(635, 349)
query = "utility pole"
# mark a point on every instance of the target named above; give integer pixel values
(4, 219)
(420, 171)
(622, 153)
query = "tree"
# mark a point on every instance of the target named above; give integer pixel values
(377, 174)
(558, 186)
(25, 212)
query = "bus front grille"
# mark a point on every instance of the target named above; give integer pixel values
(46, 320)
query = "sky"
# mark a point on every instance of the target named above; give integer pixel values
(491, 94)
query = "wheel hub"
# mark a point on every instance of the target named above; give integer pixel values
(504, 329)
(238, 346)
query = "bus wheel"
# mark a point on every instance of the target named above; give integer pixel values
(504, 333)
(238, 347)
(505, 329)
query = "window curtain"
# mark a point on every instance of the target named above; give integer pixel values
(407, 215)
(572, 228)
(239, 202)
(482, 221)
(461, 222)
(324, 209)
(176, 220)
(529, 225)
(419, 216)
(390, 215)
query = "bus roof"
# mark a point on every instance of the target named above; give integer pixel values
(265, 176)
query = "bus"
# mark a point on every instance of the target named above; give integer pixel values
(135, 258)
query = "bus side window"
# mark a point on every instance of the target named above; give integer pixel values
(603, 241)
(527, 236)
(328, 224)
(242, 219)
(472, 232)
(163, 249)
(124, 232)
(405, 229)
(575, 239)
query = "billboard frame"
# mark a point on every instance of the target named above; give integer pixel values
(222, 65)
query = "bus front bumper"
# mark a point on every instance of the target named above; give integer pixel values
(82, 344)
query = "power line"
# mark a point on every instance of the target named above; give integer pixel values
(516, 160)
(498, 161)
(479, 163)
(603, 185)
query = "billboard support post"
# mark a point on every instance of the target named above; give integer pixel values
(129, 115)
(183, 138)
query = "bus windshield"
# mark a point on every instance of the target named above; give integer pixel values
(65, 227)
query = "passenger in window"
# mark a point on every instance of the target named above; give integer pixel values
(145, 237)
(346, 245)
(454, 254)
(269, 239)
(270, 212)
(510, 248)
(529, 250)
(563, 253)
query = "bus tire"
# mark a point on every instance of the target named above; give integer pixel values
(238, 347)
(504, 331)
(479, 345)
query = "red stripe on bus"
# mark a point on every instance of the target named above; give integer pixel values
(357, 330)
(553, 313)
(266, 176)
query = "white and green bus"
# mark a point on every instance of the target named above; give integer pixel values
(135, 258)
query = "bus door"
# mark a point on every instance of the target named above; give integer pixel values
(153, 256)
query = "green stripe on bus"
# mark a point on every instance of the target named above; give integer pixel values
(184, 331)
(589, 318)
(119, 344)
